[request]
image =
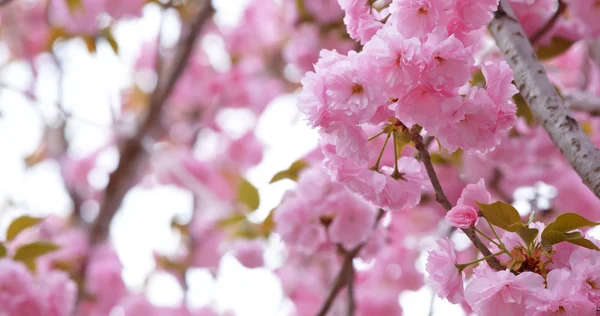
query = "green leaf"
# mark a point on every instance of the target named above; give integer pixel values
(523, 109)
(478, 79)
(568, 222)
(74, 5)
(110, 38)
(584, 243)
(502, 215)
(438, 159)
(248, 194)
(559, 230)
(528, 234)
(231, 220)
(3, 250)
(29, 252)
(291, 173)
(557, 46)
(169, 265)
(554, 237)
(402, 140)
(20, 224)
(268, 224)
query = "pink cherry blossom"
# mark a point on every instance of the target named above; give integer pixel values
(250, 253)
(361, 21)
(473, 193)
(81, 20)
(61, 294)
(462, 216)
(563, 295)
(354, 221)
(502, 293)
(418, 18)
(475, 13)
(18, 293)
(443, 272)
(585, 12)
(396, 59)
(448, 62)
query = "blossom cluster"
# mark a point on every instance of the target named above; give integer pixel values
(407, 73)
(542, 276)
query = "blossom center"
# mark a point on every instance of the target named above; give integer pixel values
(357, 88)
(422, 10)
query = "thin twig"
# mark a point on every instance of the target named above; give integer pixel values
(441, 198)
(350, 292)
(132, 152)
(550, 24)
(543, 100)
(495, 185)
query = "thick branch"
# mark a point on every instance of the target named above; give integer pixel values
(5, 2)
(543, 100)
(550, 24)
(441, 198)
(132, 152)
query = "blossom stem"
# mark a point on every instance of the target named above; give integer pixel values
(462, 266)
(375, 136)
(501, 245)
(376, 166)
(486, 237)
(542, 98)
(396, 175)
(441, 198)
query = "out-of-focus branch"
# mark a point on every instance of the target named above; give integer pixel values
(550, 24)
(346, 276)
(543, 100)
(495, 185)
(350, 291)
(583, 102)
(343, 278)
(5, 2)
(131, 150)
(441, 198)
(594, 51)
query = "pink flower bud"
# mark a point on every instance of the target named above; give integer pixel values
(462, 216)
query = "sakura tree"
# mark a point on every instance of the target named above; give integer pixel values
(457, 153)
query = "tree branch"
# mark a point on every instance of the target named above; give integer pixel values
(583, 102)
(550, 24)
(594, 51)
(132, 152)
(543, 100)
(441, 198)
(350, 292)
(346, 276)
(341, 280)
(5, 2)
